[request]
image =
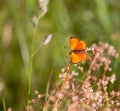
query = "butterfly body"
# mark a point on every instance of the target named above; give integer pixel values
(78, 50)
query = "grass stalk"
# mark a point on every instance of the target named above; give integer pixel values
(48, 84)
(31, 62)
(66, 78)
(4, 105)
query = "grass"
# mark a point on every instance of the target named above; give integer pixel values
(26, 63)
(43, 10)
(4, 105)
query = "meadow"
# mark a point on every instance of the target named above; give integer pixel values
(35, 69)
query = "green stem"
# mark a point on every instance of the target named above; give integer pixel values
(4, 105)
(30, 78)
(31, 62)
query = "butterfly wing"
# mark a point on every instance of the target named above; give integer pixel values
(73, 42)
(77, 57)
(81, 45)
(77, 45)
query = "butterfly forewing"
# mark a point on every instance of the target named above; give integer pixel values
(73, 42)
(81, 45)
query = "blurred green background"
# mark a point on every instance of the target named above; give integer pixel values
(93, 21)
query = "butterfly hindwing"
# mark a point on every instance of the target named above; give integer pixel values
(77, 57)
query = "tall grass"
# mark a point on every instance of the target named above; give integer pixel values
(43, 10)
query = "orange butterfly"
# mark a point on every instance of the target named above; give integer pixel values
(78, 50)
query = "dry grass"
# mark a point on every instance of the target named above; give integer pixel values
(90, 93)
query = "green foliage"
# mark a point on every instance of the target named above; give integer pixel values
(93, 21)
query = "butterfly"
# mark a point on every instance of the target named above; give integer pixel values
(78, 50)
